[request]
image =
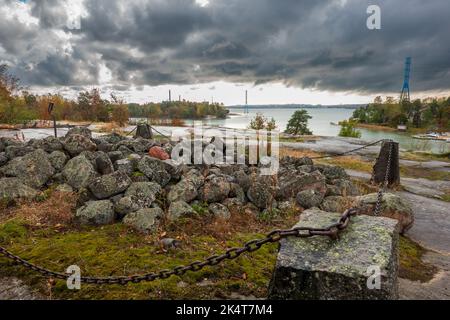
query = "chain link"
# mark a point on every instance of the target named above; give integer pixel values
(385, 184)
(275, 236)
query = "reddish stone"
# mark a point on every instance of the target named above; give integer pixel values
(158, 153)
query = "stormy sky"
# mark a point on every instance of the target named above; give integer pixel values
(303, 51)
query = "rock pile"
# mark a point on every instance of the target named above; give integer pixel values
(134, 180)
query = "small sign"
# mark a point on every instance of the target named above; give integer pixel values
(51, 105)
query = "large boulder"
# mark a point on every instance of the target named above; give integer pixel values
(48, 144)
(184, 190)
(333, 173)
(220, 211)
(145, 220)
(58, 159)
(392, 206)
(262, 191)
(78, 172)
(13, 188)
(155, 170)
(215, 189)
(34, 169)
(291, 183)
(109, 185)
(342, 187)
(320, 268)
(158, 153)
(179, 209)
(139, 195)
(337, 203)
(82, 131)
(103, 163)
(15, 151)
(3, 159)
(96, 213)
(76, 144)
(309, 198)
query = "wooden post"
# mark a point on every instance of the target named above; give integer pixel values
(51, 105)
(379, 169)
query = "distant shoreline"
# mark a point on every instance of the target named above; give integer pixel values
(297, 106)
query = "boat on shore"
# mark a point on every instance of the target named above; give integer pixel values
(434, 136)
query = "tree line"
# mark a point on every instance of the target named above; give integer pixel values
(429, 113)
(21, 106)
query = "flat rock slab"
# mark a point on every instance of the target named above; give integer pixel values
(15, 289)
(320, 268)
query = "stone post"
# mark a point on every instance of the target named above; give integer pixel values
(320, 268)
(379, 170)
(144, 131)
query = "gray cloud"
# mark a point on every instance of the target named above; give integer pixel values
(322, 44)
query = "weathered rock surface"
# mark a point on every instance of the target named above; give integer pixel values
(215, 189)
(34, 169)
(78, 172)
(155, 170)
(76, 144)
(145, 220)
(96, 213)
(309, 198)
(103, 163)
(109, 185)
(220, 211)
(139, 195)
(184, 190)
(13, 188)
(320, 268)
(179, 209)
(58, 159)
(393, 207)
(261, 191)
(158, 153)
(337, 203)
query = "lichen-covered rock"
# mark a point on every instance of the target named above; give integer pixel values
(155, 170)
(174, 168)
(124, 165)
(103, 163)
(179, 209)
(48, 144)
(215, 189)
(83, 131)
(309, 198)
(261, 192)
(95, 213)
(3, 159)
(139, 195)
(195, 177)
(144, 220)
(242, 179)
(115, 155)
(236, 191)
(184, 190)
(34, 169)
(58, 159)
(109, 185)
(320, 268)
(342, 187)
(76, 144)
(64, 188)
(220, 211)
(392, 206)
(78, 172)
(291, 183)
(333, 173)
(13, 188)
(337, 203)
(15, 151)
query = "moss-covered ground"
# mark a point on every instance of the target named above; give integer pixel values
(117, 250)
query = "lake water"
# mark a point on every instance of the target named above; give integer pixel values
(320, 125)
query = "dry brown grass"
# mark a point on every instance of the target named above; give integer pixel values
(289, 152)
(57, 210)
(110, 127)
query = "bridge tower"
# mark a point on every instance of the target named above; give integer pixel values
(405, 96)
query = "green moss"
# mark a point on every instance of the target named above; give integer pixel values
(137, 174)
(116, 250)
(411, 265)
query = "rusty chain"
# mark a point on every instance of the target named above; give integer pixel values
(275, 236)
(331, 231)
(385, 184)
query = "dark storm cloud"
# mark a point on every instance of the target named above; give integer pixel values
(322, 44)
